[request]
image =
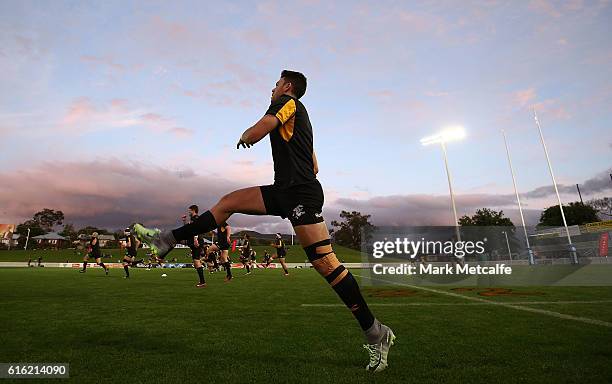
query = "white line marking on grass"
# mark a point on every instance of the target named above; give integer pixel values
(506, 305)
(427, 304)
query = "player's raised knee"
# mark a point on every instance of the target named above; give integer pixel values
(322, 257)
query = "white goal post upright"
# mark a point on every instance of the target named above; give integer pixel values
(572, 249)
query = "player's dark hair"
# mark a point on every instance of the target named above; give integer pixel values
(194, 208)
(297, 80)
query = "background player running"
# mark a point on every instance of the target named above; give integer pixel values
(245, 253)
(253, 260)
(296, 194)
(281, 252)
(195, 244)
(267, 258)
(223, 245)
(93, 250)
(131, 250)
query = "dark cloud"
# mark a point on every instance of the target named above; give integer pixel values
(114, 193)
(597, 184)
(419, 209)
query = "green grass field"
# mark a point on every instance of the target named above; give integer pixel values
(267, 328)
(295, 254)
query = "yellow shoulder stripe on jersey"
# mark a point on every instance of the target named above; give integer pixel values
(286, 130)
(286, 112)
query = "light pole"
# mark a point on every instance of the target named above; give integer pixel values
(449, 134)
(572, 249)
(518, 200)
(508, 244)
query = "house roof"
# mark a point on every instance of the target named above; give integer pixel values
(49, 236)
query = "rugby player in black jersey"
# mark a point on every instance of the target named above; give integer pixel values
(281, 252)
(93, 250)
(245, 253)
(267, 258)
(131, 250)
(296, 194)
(253, 260)
(195, 245)
(223, 245)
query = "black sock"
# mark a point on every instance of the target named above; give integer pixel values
(204, 223)
(247, 268)
(201, 274)
(127, 270)
(348, 290)
(84, 265)
(228, 269)
(286, 271)
(102, 265)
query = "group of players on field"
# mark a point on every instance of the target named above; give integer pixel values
(218, 253)
(203, 254)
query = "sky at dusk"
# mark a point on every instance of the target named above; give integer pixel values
(117, 111)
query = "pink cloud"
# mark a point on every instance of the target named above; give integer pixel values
(553, 109)
(113, 193)
(84, 116)
(80, 110)
(524, 97)
(181, 132)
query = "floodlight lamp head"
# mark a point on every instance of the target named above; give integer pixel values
(448, 134)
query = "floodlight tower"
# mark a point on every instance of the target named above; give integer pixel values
(449, 134)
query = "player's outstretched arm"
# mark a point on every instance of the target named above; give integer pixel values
(258, 131)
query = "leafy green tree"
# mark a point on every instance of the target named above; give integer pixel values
(88, 230)
(69, 232)
(48, 218)
(576, 213)
(348, 231)
(22, 229)
(489, 224)
(603, 207)
(486, 217)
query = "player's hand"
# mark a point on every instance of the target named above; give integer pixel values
(243, 143)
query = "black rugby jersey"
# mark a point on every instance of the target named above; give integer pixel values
(291, 142)
(280, 247)
(191, 240)
(246, 248)
(222, 236)
(131, 250)
(95, 248)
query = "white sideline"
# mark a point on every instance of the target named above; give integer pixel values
(506, 305)
(427, 304)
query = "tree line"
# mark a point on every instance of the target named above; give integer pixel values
(349, 230)
(46, 220)
(352, 225)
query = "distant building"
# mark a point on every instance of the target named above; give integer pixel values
(103, 239)
(12, 242)
(51, 239)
